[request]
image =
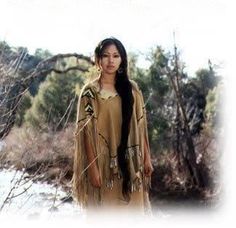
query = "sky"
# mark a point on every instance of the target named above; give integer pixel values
(64, 26)
(203, 30)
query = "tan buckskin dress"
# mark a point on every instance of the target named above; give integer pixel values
(99, 118)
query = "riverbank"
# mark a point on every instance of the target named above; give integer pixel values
(48, 158)
(22, 196)
(44, 157)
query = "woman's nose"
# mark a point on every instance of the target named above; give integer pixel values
(111, 59)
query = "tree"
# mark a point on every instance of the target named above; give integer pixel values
(207, 79)
(156, 91)
(213, 110)
(25, 104)
(54, 105)
(21, 76)
(42, 54)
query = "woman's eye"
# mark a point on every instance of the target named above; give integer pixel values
(116, 56)
(104, 55)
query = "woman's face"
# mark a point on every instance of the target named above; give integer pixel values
(110, 60)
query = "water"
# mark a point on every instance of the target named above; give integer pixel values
(37, 203)
(2, 145)
(33, 200)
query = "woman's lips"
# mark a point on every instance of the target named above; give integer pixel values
(110, 67)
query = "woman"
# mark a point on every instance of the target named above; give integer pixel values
(112, 165)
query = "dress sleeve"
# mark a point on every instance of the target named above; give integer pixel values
(141, 114)
(85, 127)
(144, 124)
(143, 140)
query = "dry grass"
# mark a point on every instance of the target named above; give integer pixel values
(50, 154)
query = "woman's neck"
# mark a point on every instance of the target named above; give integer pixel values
(107, 82)
(107, 79)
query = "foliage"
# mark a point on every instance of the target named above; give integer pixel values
(42, 54)
(16, 64)
(24, 105)
(213, 109)
(156, 92)
(54, 105)
(160, 99)
(206, 79)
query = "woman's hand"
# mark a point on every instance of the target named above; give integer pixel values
(94, 176)
(148, 168)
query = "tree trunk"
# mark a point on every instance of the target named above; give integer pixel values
(190, 157)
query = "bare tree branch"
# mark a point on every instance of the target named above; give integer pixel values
(190, 159)
(13, 90)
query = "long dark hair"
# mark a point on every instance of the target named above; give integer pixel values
(124, 89)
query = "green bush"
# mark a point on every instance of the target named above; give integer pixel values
(24, 105)
(55, 104)
(213, 110)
